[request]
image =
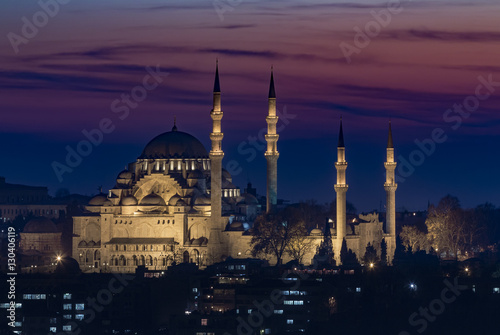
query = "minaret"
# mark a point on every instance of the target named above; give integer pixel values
(341, 190)
(272, 151)
(216, 155)
(390, 189)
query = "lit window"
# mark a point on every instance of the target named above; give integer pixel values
(285, 292)
(79, 307)
(67, 296)
(288, 302)
(53, 321)
(496, 290)
(204, 322)
(289, 321)
(298, 302)
(53, 329)
(294, 292)
(358, 289)
(34, 296)
(278, 311)
(67, 328)
(67, 307)
(79, 317)
(67, 316)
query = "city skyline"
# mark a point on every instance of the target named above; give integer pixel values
(66, 78)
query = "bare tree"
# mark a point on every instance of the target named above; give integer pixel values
(445, 224)
(274, 233)
(413, 239)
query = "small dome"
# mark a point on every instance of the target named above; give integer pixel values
(125, 174)
(152, 200)
(198, 241)
(249, 199)
(196, 174)
(98, 200)
(180, 202)
(68, 266)
(236, 225)
(202, 200)
(39, 225)
(129, 200)
(316, 232)
(174, 199)
(226, 175)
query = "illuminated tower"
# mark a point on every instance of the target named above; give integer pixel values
(390, 189)
(216, 155)
(341, 190)
(271, 153)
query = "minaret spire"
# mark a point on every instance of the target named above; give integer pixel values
(390, 187)
(389, 137)
(272, 153)
(341, 190)
(272, 92)
(341, 135)
(216, 82)
(216, 156)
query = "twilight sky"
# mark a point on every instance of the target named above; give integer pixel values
(429, 55)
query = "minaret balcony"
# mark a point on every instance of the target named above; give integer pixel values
(216, 116)
(216, 136)
(271, 137)
(390, 165)
(272, 119)
(390, 187)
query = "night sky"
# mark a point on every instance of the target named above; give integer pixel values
(65, 78)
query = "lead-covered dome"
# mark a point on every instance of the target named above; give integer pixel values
(152, 200)
(40, 225)
(174, 144)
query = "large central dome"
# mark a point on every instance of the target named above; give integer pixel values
(174, 144)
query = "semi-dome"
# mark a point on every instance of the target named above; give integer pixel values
(174, 144)
(152, 200)
(202, 200)
(129, 200)
(125, 174)
(174, 199)
(98, 200)
(40, 225)
(196, 174)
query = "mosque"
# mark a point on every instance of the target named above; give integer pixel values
(175, 203)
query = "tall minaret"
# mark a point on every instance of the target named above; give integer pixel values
(216, 155)
(272, 151)
(390, 189)
(341, 190)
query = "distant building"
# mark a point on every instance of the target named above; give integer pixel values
(27, 201)
(39, 246)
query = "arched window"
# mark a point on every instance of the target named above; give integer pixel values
(123, 261)
(142, 260)
(185, 257)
